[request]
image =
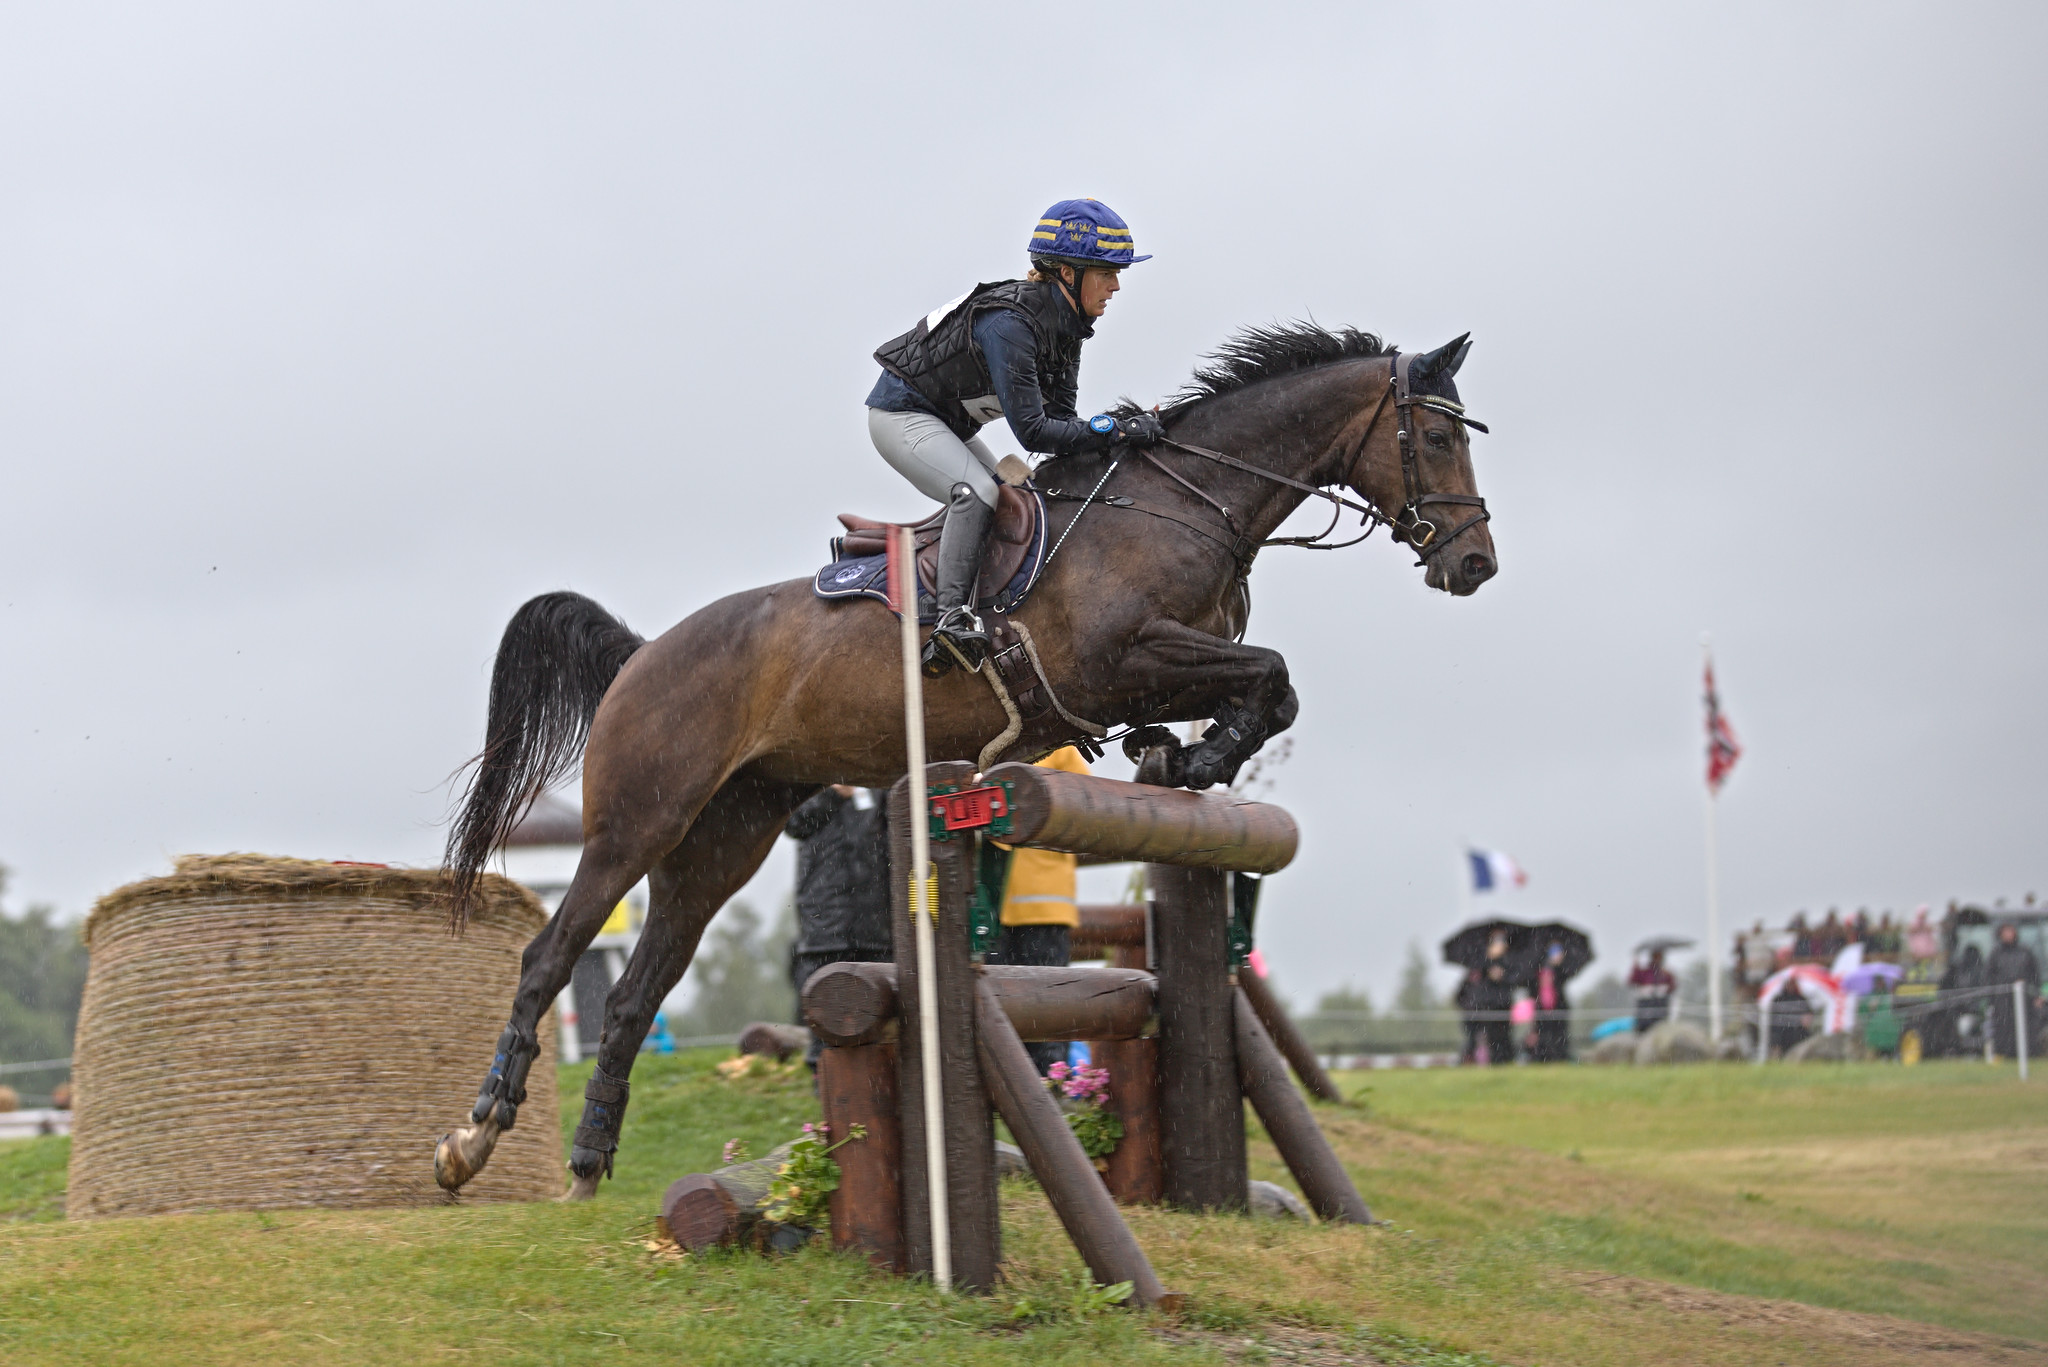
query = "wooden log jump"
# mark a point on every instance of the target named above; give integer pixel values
(1184, 1046)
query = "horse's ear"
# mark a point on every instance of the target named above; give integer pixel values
(1446, 359)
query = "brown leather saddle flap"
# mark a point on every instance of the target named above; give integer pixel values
(1015, 514)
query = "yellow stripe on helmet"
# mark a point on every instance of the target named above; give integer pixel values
(1048, 223)
(1049, 237)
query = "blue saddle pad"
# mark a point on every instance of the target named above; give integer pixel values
(867, 576)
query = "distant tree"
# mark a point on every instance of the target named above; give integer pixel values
(741, 973)
(1336, 1025)
(1348, 999)
(42, 981)
(1415, 992)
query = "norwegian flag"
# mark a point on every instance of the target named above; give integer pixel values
(1722, 747)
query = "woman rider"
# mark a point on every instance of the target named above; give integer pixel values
(1011, 350)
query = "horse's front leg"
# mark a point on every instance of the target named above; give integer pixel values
(1179, 672)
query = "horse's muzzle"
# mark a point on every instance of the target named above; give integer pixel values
(1474, 569)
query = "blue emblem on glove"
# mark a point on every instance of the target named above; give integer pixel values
(1102, 423)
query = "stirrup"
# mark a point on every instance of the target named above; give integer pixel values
(958, 639)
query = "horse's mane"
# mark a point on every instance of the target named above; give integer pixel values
(1264, 353)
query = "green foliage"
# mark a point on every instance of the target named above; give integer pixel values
(741, 973)
(803, 1185)
(1061, 1300)
(1348, 999)
(1097, 1128)
(42, 980)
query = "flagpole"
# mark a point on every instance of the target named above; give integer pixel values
(1713, 894)
(903, 588)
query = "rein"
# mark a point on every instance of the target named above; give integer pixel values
(1409, 524)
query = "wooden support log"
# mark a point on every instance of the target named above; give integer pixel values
(970, 1136)
(857, 1086)
(852, 1004)
(775, 1040)
(1201, 1107)
(1329, 1189)
(1078, 1197)
(1116, 925)
(1133, 1172)
(1083, 814)
(1287, 1036)
(703, 1209)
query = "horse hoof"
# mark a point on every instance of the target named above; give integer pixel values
(582, 1188)
(462, 1153)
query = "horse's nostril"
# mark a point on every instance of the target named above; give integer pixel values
(1478, 568)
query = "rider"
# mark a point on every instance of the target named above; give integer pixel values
(1010, 349)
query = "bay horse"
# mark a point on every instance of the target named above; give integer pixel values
(696, 746)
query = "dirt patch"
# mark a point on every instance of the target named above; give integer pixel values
(1306, 1347)
(1878, 1339)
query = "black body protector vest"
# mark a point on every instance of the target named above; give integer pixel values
(938, 357)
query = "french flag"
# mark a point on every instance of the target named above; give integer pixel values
(1492, 869)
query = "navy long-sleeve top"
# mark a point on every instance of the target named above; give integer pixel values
(1040, 410)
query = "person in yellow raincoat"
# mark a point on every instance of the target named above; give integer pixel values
(1039, 908)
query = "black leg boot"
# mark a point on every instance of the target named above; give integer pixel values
(958, 639)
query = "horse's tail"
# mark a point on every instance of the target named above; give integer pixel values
(559, 654)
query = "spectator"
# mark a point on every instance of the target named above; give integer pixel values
(1884, 941)
(1759, 958)
(1553, 1036)
(1040, 910)
(842, 884)
(1467, 1002)
(1788, 1018)
(1922, 941)
(2011, 962)
(1493, 1000)
(1830, 939)
(1802, 938)
(1653, 984)
(1881, 1029)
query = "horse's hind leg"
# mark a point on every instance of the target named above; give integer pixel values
(715, 860)
(612, 862)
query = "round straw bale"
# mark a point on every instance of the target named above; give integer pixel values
(10, 1099)
(263, 1032)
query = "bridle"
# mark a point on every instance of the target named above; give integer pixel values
(1409, 524)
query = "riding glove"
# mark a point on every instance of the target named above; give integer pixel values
(1140, 430)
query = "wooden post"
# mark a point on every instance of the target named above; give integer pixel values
(857, 1086)
(1077, 1194)
(1307, 1153)
(1201, 1109)
(1287, 1035)
(969, 1131)
(1133, 1176)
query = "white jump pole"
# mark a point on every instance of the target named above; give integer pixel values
(2019, 1024)
(923, 908)
(1713, 902)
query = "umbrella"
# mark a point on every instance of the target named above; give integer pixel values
(1667, 943)
(1859, 980)
(1578, 949)
(1467, 949)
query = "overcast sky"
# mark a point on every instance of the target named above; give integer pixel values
(328, 335)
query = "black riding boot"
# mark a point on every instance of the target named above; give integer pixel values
(958, 639)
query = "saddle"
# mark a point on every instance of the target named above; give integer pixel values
(1009, 566)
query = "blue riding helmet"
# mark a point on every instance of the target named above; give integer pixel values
(1084, 230)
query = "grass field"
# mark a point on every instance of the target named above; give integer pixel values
(1570, 1216)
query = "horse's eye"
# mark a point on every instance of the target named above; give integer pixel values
(1437, 439)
